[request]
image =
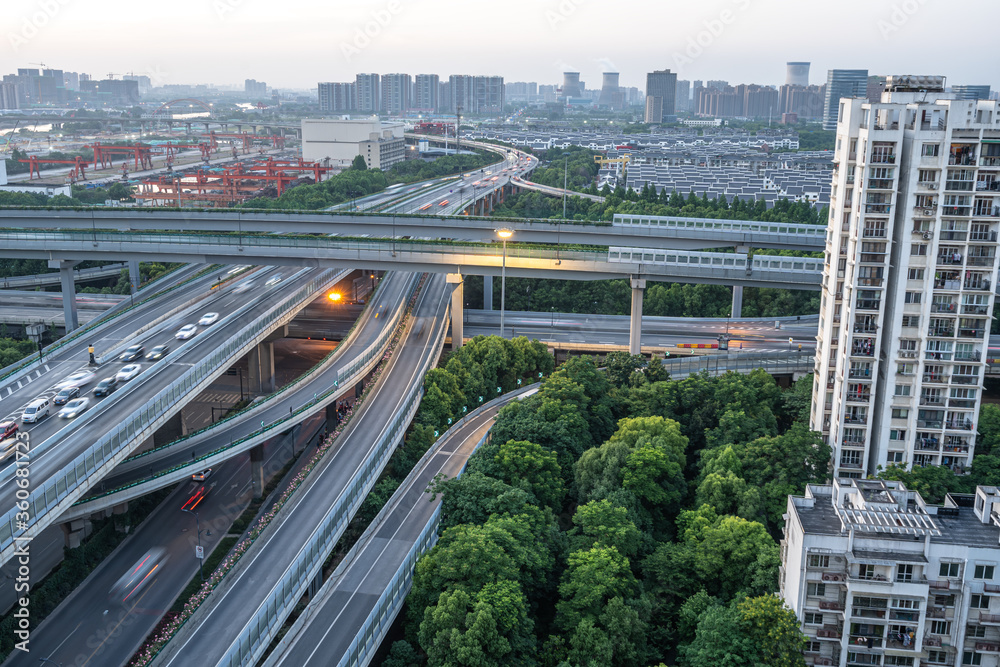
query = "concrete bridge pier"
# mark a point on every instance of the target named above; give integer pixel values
(457, 310)
(257, 470)
(66, 280)
(315, 584)
(75, 531)
(737, 310)
(134, 276)
(261, 363)
(635, 326)
(487, 292)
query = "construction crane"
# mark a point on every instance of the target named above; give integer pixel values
(623, 160)
(76, 172)
(40, 65)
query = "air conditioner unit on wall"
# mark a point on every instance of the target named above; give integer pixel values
(927, 235)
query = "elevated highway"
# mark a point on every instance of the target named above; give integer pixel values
(68, 460)
(237, 622)
(79, 275)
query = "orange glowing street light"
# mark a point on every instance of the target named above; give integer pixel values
(334, 296)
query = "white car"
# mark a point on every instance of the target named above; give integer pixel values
(74, 408)
(128, 372)
(77, 379)
(273, 280)
(208, 319)
(186, 332)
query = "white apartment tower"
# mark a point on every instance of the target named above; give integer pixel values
(910, 276)
(876, 576)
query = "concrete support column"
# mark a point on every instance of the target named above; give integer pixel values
(487, 292)
(737, 301)
(457, 310)
(257, 470)
(74, 532)
(66, 280)
(635, 326)
(315, 584)
(133, 274)
(260, 363)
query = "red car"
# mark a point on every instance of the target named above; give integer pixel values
(8, 429)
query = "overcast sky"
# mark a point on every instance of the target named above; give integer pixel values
(296, 43)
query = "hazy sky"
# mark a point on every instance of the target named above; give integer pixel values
(296, 43)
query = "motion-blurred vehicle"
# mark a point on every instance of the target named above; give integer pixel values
(128, 587)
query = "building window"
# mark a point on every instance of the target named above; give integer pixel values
(983, 572)
(918, 249)
(907, 344)
(902, 390)
(895, 457)
(815, 590)
(944, 600)
(819, 561)
(940, 627)
(977, 601)
(810, 618)
(866, 571)
(904, 572)
(911, 320)
(915, 274)
(897, 434)
(937, 657)
(904, 369)
(975, 631)
(930, 150)
(814, 647)
(900, 413)
(948, 570)
(972, 658)
(912, 297)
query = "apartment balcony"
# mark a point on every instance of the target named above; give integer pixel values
(924, 446)
(974, 309)
(853, 444)
(981, 260)
(962, 160)
(943, 307)
(962, 211)
(878, 208)
(960, 186)
(964, 425)
(856, 373)
(977, 285)
(870, 282)
(987, 237)
(989, 161)
(858, 396)
(868, 613)
(863, 351)
(873, 233)
(954, 259)
(987, 647)
(930, 423)
(864, 640)
(834, 577)
(882, 158)
(816, 659)
(965, 379)
(933, 401)
(950, 285)
(961, 403)
(850, 465)
(971, 333)
(938, 585)
(988, 186)
(904, 615)
(868, 304)
(880, 184)
(986, 618)
(952, 236)
(935, 378)
(831, 632)
(832, 605)
(932, 641)
(941, 332)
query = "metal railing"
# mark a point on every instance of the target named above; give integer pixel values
(791, 361)
(814, 233)
(69, 484)
(258, 632)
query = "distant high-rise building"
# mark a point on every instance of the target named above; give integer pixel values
(488, 95)
(682, 98)
(717, 84)
(571, 85)
(797, 74)
(971, 92)
(336, 97)
(803, 101)
(367, 93)
(71, 80)
(461, 88)
(842, 83)
(875, 88)
(9, 98)
(660, 84)
(251, 87)
(145, 83)
(759, 101)
(609, 91)
(427, 89)
(522, 91)
(396, 93)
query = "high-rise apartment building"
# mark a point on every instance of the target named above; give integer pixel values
(367, 89)
(9, 97)
(662, 86)
(426, 93)
(804, 101)
(971, 92)
(337, 97)
(908, 288)
(797, 74)
(842, 83)
(396, 93)
(488, 95)
(461, 88)
(251, 87)
(682, 96)
(876, 576)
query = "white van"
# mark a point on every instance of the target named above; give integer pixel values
(35, 410)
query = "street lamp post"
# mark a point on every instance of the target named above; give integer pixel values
(201, 561)
(503, 234)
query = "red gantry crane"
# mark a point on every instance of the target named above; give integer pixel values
(76, 173)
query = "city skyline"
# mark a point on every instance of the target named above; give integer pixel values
(225, 41)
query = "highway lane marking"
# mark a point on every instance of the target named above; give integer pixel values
(53, 652)
(112, 632)
(355, 429)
